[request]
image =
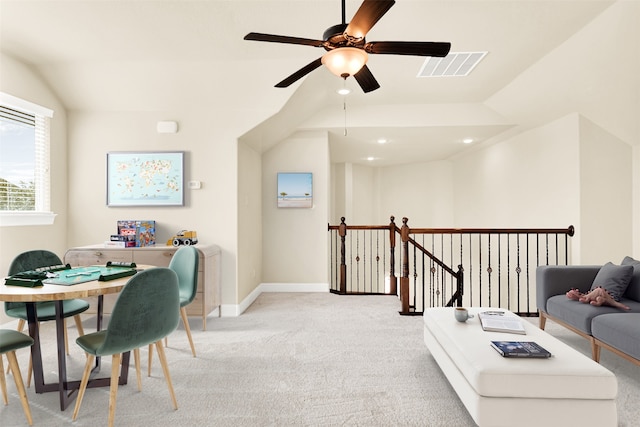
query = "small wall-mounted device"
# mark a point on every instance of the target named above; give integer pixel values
(195, 185)
(167, 127)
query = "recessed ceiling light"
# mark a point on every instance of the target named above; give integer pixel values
(344, 91)
(382, 141)
(371, 158)
(467, 140)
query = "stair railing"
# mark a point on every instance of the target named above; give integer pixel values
(495, 266)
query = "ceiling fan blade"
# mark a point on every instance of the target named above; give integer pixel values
(300, 73)
(366, 80)
(409, 48)
(283, 39)
(368, 14)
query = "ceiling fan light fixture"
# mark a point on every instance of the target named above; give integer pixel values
(345, 61)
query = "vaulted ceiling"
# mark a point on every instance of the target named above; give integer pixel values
(142, 55)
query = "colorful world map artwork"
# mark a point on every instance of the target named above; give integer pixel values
(145, 179)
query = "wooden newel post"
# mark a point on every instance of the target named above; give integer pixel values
(404, 279)
(342, 232)
(393, 280)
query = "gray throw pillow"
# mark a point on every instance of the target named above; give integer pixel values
(614, 279)
(633, 290)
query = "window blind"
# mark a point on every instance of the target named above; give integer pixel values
(34, 194)
(9, 114)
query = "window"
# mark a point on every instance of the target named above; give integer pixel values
(24, 163)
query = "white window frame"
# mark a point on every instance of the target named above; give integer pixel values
(43, 214)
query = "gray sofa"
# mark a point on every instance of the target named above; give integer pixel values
(615, 329)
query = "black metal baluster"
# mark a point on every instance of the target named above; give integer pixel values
(528, 277)
(350, 285)
(518, 271)
(500, 270)
(509, 272)
(489, 266)
(480, 266)
(471, 272)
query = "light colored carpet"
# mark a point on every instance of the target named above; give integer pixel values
(292, 359)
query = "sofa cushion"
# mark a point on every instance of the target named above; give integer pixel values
(619, 330)
(580, 315)
(614, 279)
(576, 314)
(633, 290)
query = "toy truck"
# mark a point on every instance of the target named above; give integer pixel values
(183, 237)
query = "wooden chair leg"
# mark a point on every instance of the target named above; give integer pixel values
(167, 376)
(136, 358)
(17, 377)
(3, 383)
(66, 339)
(29, 370)
(79, 327)
(20, 327)
(150, 360)
(185, 320)
(113, 388)
(83, 384)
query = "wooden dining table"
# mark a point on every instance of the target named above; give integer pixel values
(58, 293)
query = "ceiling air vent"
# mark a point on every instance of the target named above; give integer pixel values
(454, 64)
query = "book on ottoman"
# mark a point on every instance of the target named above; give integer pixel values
(520, 349)
(498, 321)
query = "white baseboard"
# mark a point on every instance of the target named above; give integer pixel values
(294, 287)
(232, 310)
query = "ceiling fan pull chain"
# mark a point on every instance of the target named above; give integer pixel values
(344, 107)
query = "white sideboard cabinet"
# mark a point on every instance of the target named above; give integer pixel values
(208, 296)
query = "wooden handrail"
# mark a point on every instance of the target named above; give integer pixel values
(496, 264)
(568, 231)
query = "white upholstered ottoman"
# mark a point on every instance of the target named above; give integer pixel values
(568, 389)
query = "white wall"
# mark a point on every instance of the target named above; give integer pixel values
(529, 180)
(208, 139)
(295, 239)
(635, 196)
(249, 220)
(20, 81)
(422, 192)
(566, 172)
(605, 195)
(363, 195)
(355, 194)
(338, 192)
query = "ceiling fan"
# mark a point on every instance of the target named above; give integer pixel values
(347, 49)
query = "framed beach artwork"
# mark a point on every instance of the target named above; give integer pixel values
(145, 178)
(295, 189)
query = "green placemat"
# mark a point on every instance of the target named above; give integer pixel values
(116, 275)
(17, 281)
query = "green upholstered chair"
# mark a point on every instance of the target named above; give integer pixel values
(145, 312)
(10, 341)
(185, 264)
(45, 311)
